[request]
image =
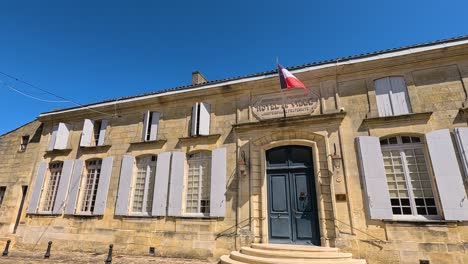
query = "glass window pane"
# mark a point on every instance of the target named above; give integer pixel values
(277, 156)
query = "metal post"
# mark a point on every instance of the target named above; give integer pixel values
(5, 252)
(47, 254)
(109, 255)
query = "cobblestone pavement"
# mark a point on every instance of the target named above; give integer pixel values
(81, 258)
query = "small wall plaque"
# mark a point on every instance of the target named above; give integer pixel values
(340, 197)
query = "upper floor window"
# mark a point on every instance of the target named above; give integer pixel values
(150, 126)
(2, 194)
(24, 143)
(94, 132)
(50, 187)
(89, 186)
(409, 182)
(198, 183)
(143, 184)
(200, 124)
(59, 136)
(392, 96)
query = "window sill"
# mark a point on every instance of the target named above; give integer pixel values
(380, 120)
(58, 151)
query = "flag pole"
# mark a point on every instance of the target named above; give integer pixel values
(282, 94)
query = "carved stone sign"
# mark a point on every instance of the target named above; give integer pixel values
(284, 104)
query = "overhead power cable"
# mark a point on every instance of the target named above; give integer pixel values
(31, 96)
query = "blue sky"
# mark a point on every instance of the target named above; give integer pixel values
(94, 50)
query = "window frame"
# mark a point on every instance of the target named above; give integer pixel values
(390, 95)
(83, 187)
(148, 190)
(24, 143)
(46, 185)
(208, 158)
(401, 147)
(2, 194)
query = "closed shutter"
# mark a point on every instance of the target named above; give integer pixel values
(74, 188)
(461, 136)
(373, 177)
(161, 184)
(53, 138)
(193, 127)
(62, 190)
(399, 96)
(103, 187)
(125, 185)
(382, 93)
(87, 134)
(62, 136)
(204, 126)
(154, 125)
(38, 184)
(447, 174)
(218, 183)
(102, 132)
(176, 187)
(145, 125)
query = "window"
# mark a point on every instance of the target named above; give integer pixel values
(200, 119)
(50, 187)
(2, 194)
(198, 183)
(59, 136)
(24, 143)
(97, 132)
(150, 126)
(143, 185)
(94, 132)
(89, 186)
(392, 96)
(408, 178)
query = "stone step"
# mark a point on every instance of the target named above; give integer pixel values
(242, 258)
(285, 254)
(295, 248)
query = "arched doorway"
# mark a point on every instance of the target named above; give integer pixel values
(292, 200)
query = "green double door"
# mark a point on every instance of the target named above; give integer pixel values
(292, 200)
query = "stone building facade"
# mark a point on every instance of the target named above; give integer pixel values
(372, 160)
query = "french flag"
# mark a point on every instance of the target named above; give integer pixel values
(289, 81)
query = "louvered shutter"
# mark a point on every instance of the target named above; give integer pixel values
(102, 132)
(447, 174)
(373, 177)
(87, 134)
(62, 136)
(461, 136)
(382, 93)
(218, 183)
(38, 184)
(399, 96)
(74, 187)
(176, 184)
(53, 138)
(125, 185)
(194, 120)
(161, 184)
(103, 187)
(62, 190)
(204, 126)
(145, 125)
(154, 125)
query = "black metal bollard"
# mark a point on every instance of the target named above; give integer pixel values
(47, 254)
(5, 252)
(109, 255)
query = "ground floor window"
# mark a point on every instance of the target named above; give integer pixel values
(89, 186)
(143, 184)
(50, 187)
(198, 183)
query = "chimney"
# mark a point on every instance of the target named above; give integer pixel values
(198, 78)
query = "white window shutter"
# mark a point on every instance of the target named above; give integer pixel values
(382, 93)
(87, 134)
(125, 185)
(102, 132)
(53, 138)
(399, 96)
(62, 190)
(204, 126)
(103, 187)
(176, 187)
(194, 120)
(161, 183)
(74, 187)
(461, 136)
(38, 184)
(218, 183)
(374, 178)
(154, 125)
(447, 174)
(145, 125)
(62, 136)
